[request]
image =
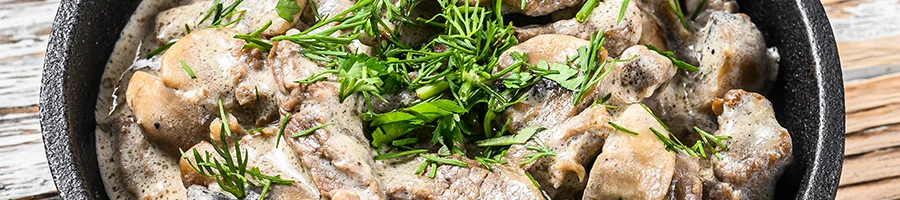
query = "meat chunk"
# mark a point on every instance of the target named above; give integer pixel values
(573, 132)
(619, 36)
(551, 48)
(271, 160)
(632, 166)
(686, 183)
(735, 51)
(575, 137)
(170, 24)
(637, 77)
(222, 70)
(677, 37)
(734, 55)
(760, 149)
(454, 182)
(536, 8)
(710, 7)
(339, 157)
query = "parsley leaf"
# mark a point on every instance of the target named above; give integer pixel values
(566, 77)
(287, 9)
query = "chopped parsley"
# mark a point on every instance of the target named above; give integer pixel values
(286, 9)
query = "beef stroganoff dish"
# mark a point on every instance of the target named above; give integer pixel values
(440, 99)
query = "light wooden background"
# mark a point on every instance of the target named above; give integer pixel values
(867, 32)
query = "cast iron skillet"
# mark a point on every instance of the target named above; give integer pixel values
(808, 95)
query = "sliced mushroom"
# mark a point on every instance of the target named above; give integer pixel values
(164, 118)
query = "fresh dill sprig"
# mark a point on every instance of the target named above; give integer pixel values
(447, 161)
(284, 121)
(404, 142)
(311, 130)
(541, 151)
(187, 69)
(254, 41)
(533, 181)
(713, 142)
(587, 59)
(673, 144)
(623, 129)
(400, 154)
(230, 169)
(161, 48)
(219, 14)
(671, 56)
(602, 102)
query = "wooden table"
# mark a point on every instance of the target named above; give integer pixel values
(867, 31)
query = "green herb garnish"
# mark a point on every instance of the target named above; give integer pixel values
(161, 48)
(286, 9)
(284, 121)
(622, 11)
(311, 130)
(623, 129)
(187, 69)
(540, 151)
(710, 140)
(671, 56)
(586, 10)
(447, 161)
(518, 138)
(404, 142)
(676, 8)
(231, 171)
(254, 41)
(400, 154)
(219, 14)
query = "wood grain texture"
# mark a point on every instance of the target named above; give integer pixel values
(24, 33)
(867, 34)
(868, 39)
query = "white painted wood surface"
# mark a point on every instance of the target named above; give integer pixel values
(24, 33)
(867, 31)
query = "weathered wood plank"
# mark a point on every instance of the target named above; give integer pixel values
(859, 95)
(883, 189)
(23, 165)
(872, 140)
(868, 39)
(24, 32)
(871, 167)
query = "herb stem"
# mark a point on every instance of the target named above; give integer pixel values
(311, 130)
(399, 154)
(187, 69)
(436, 159)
